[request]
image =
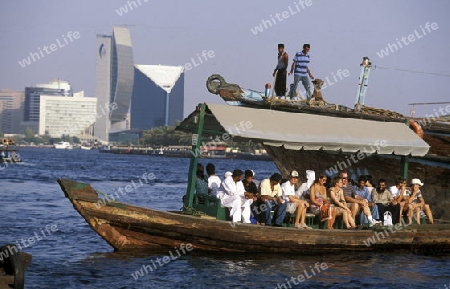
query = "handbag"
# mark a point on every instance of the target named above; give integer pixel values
(387, 218)
(325, 212)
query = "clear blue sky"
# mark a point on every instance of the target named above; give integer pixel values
(172, 32)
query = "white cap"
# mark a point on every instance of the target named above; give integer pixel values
(228, 174)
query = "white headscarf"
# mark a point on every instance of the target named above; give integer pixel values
(310, 177)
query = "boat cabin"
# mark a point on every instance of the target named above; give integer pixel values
(303, 141)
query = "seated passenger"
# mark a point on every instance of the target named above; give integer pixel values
(340, 207)
(252, 190)
(250, 186)
(369, 208)
(385, 202)
(295, 205)
(213, 180)
(397, 192)
(201, 184)
(369, 183)
(232, 195)
(270, 191)
(318, 196)
(414, 198)
(349, 194)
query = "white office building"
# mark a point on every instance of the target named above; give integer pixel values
(74, 116)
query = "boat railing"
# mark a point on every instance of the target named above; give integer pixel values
(210, 205)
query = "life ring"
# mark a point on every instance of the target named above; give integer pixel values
(11, 142)
(5, 141)
(416, 128)
(212, 85)
(13, 265)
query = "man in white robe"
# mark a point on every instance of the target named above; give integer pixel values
(232, 195)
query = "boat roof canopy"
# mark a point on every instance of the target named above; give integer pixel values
(296, 131)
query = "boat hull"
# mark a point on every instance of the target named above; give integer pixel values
(127, 227)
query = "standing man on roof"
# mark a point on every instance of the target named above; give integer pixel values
(280, 72)
(300, 63)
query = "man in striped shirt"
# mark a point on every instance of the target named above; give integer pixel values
(300, 63)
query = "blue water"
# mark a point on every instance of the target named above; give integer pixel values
(68, 254)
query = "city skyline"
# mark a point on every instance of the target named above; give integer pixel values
(406, 42)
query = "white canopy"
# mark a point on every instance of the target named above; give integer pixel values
(297, 131)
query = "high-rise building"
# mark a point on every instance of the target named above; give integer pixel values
(33, 94)
(74, 116)
(11, 111)
(158, 96)
(114, 82)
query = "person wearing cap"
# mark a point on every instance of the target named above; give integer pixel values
(233, 196)
(280, 71)
(271, 195)
(295, 205)
(414, 199)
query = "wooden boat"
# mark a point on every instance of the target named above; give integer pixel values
(13, 265)
(9, 152)
(127, 227)
(233, 94)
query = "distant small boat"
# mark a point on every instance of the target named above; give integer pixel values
(83, 147)
(63, 145)
(8, 152)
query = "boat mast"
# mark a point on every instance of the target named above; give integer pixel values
(196, 142)
(366, 66)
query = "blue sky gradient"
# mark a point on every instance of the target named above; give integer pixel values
(172, 32)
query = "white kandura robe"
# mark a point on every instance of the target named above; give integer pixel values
(232, 196)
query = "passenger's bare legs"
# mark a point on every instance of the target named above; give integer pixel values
(348, 219)
(410, 213)
(427, 210)
(402, 205)
(417, 209)
(354, 207)
(300, 212)
(331, 221)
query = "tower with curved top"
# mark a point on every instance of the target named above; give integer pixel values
(114, 82)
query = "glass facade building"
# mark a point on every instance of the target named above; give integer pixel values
(158, 96)
(114, 82)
